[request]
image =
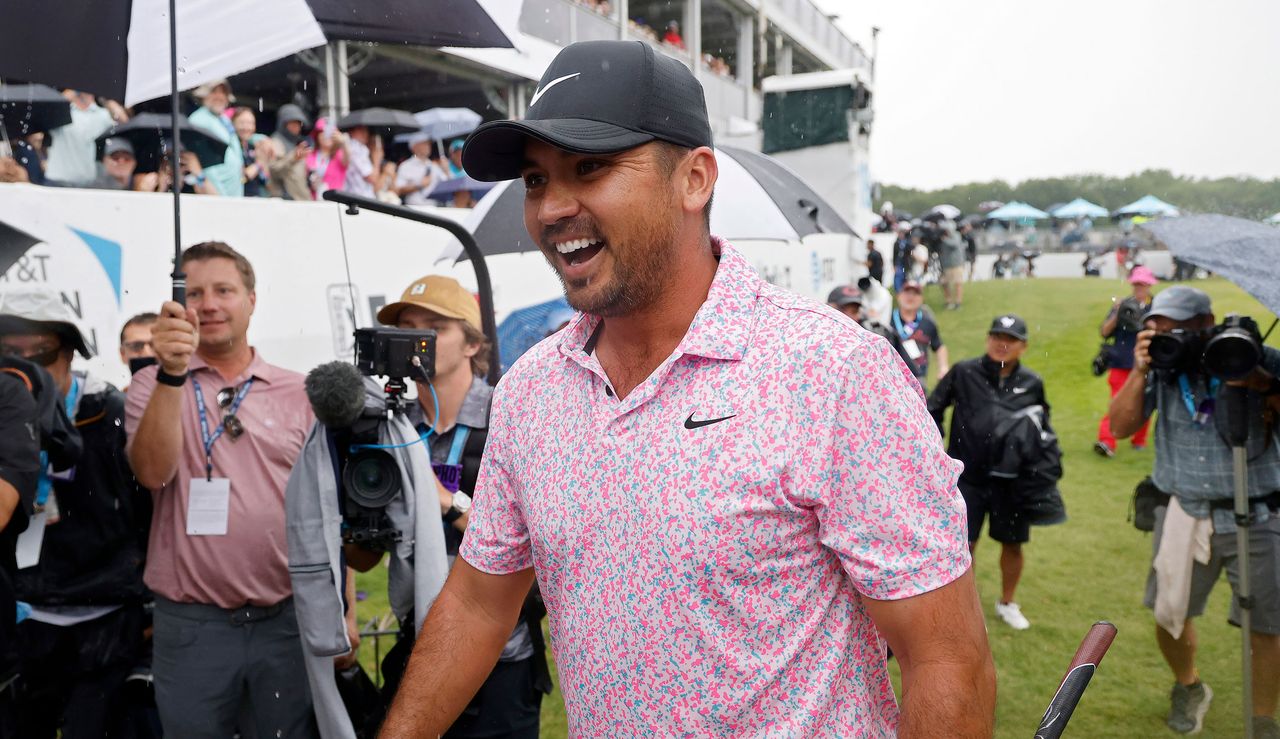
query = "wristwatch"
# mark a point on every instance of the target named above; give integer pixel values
(461, 506)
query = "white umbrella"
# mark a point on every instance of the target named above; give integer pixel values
(946, 210)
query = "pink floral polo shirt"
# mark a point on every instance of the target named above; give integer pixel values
(705, 543)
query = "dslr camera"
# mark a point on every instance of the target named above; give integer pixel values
(1129, 316)
(1228, 351)
(370, 473)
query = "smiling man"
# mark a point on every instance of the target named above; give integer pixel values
(732, 496)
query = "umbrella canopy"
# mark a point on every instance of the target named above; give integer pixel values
(445, 189)
(128, 40)
(1273, 220)
(946, 210)
(444, 123)
(755, 198)
(1147, 205)
(27, 109)
(385, 118)
(524, 327)
(1017, 211)
(1079, 208)
(148, 132)
(1245, 252)
(988, 205)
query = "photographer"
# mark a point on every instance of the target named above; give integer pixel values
(850, 301)
(509, 702)
(85, 630)
(1122, 324)
(19, 472)
(1193, 466)
(213, 432)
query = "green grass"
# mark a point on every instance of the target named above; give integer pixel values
(1091, 568)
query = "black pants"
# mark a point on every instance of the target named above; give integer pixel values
(73, 677)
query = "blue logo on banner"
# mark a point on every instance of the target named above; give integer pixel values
(109, 255)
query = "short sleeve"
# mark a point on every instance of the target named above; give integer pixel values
(497, 538)
(935, 336)
(889, 509)
(404, 175)
(136, 398)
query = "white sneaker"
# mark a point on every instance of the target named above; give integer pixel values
(1012, 615)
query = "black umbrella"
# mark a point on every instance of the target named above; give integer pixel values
(14, 243)
(756, 198)
(395, 121)
(148, 132)
(1243, 251)
(26, 109)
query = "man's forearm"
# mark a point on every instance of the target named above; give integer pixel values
(156, 447)
(1126, 411)
(952, 699)
(455, 651)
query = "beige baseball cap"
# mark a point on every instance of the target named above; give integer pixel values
(438, 294)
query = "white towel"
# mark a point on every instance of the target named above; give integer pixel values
(1184, 540)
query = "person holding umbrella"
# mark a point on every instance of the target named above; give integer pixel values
(364, 161)
(71, 156)
(288, 170)
(419, 173)
(227, 178)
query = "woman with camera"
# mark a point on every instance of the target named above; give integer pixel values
(1122, 326)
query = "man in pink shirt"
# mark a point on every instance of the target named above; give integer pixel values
(732, 496)
(214, 432)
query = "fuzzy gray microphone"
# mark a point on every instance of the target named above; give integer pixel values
(336, 392)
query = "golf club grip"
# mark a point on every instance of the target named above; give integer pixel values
(1083, 665)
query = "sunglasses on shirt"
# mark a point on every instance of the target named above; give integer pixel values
(231, 426)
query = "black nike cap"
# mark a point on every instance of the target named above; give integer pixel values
(597, 97)
(1009, 324)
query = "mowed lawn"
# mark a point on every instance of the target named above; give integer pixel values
(1091, 568)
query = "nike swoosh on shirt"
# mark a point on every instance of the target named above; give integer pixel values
(538, 94)
(691, 424)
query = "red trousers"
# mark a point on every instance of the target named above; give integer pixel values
(1116, 378)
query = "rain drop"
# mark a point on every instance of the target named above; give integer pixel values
(259, 105)
(182, 70)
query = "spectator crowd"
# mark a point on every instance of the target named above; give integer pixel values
(299, 160)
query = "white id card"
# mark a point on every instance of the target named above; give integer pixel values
(208, 506)
(912, 349)
(31, 540)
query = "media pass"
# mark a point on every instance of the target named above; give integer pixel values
(208, 506)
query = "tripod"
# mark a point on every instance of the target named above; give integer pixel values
(1237, 405)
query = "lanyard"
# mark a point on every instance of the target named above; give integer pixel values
(209, 438)
(45, 482)
(909, 329)
(460, 434)
(1202, 413)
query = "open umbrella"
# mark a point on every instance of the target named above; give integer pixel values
(1079, 208)
(1243, 251)
(755, 198)
(148, 132)
(1017, 211)
(26, 109)
(1147, 205)
(524, 327)
(946, 210)
(439, 124)
(388, 119)
(444, 190)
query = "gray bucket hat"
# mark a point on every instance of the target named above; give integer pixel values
(40, 311)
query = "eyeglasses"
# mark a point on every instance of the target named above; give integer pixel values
(136, 346)
(231, 426)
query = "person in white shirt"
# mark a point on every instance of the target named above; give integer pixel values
(419, 173)
(364, 160)
(73, 156)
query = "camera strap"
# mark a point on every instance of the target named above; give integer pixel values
(210, 438)
(1202, 413)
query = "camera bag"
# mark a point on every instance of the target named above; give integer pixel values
(1142, 507)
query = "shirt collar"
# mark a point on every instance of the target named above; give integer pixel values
(258, 368)
(475, 406)
(721, 328)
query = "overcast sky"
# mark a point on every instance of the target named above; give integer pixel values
(980, 89)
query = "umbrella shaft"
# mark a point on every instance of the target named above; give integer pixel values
(1240, 461)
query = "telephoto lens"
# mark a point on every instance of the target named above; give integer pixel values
(1234, 349)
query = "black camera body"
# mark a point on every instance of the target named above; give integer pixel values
(371, 475)
(1229, 351)
(1129, 316)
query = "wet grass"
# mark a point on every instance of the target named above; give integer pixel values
(1091, 568)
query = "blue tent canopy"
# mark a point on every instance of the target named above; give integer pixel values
(1080, 208)
(1147, 205)
(1017, 211)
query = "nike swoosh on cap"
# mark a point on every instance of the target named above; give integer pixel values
(538, 94)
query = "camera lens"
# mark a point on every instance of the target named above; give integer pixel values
(1167, 350)
(371, 478)
(1231, 354)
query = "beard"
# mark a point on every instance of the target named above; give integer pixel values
(643, 261)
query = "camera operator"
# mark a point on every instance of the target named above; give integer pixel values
(1122, 324)
(214, 432)
(509, 702)
(19, 473)
(850, 300)
(1193, 466)
(85, 632)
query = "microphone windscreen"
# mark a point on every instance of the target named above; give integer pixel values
(336, 392)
